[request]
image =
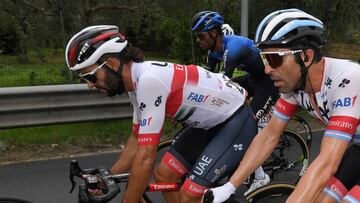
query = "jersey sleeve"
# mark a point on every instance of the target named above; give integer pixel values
(151, 98)
(345, 106)
(285, 107)
(235, 56)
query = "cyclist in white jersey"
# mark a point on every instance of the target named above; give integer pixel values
(327, 88)
(222, 124)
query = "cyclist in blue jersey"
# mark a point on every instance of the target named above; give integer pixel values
(236, 52)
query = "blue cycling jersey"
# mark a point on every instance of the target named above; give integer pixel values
(237, 52)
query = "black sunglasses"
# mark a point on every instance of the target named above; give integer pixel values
(275, 58)
(91, 76)
(201, 35)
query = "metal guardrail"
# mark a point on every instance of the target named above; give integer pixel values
(42, 105)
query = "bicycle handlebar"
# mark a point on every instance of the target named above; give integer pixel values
(92, 178)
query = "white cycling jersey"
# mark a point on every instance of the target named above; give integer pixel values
(188, 94)
(339, 108)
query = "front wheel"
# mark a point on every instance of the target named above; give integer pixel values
(289, 160)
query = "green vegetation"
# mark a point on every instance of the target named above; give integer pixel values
(87, 134)
(45, 139)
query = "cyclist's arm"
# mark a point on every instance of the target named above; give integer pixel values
(123, 164)
(265, 141)
(236, 58)
(211, 63)
(320, 170)
(141, 172)
(151, 95)
(258, 151)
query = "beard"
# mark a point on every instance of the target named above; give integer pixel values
(112, 85)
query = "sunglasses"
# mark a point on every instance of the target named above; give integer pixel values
(275, 58)
(201, 35)
(91, 76)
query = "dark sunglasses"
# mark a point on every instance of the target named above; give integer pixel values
(201, 35)
(275, 58)
(91, 76)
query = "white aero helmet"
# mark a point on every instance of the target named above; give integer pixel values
(86, 47)
(284, 28)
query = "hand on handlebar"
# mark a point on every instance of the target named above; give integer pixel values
(96, 187)
(219, 194)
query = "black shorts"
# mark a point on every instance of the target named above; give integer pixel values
(206, 156)
(347, 176)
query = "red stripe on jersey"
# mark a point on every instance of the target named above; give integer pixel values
(285, 107)
(148, 139)
(135, 129)
(192, 75)
(193, 188)
(336, 186)
(355, 192)
(345, 124)
(174, 99)
(175, 165)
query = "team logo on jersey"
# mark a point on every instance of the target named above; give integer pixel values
(158, 101)
(328, 82)
(219, 172)
(146, 121)
(238, 147)
(218, 102)
(197, 97)
(344, 102)
(142, 106)
(202, 165)
(344, 82)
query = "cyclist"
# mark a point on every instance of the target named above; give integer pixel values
(327, 88)
(237, 52)
(210, 103)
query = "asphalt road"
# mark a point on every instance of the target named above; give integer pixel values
(48, 181)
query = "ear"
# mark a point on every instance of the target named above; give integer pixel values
(307, 56)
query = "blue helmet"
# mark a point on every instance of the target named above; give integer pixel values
(285, 28)
(206, 20)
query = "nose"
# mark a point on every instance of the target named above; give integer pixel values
(268, 69)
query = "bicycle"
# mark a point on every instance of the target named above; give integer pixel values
(271, 193)
(287, 163)
(96, 176)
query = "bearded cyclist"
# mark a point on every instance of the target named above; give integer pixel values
(236, 52)
(222, 124)
(327, 88)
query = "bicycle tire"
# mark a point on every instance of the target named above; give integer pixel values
(290, 158)
(303, 128)
(13, 200)
(275, 192)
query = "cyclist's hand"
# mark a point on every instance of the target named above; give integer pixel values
(95, 192)
(223, 193)
(96, 187)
